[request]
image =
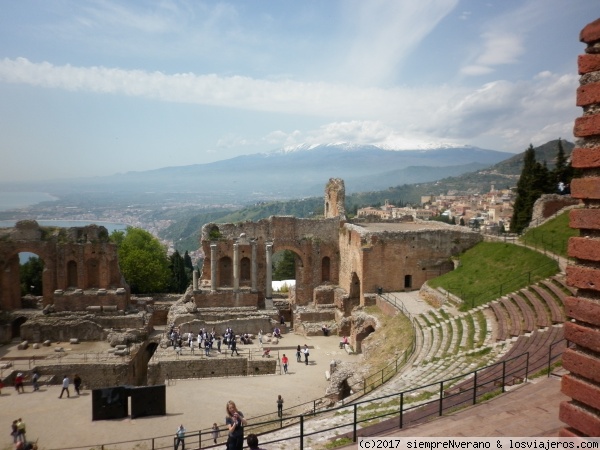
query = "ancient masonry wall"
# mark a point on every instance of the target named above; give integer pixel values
(158, 372)
(582, 384)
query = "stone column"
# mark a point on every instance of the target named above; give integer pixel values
(236, 266)
(195, 280)
(213, 267)
(254, 266)
(269, 286)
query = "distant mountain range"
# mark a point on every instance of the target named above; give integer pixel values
(293, 174)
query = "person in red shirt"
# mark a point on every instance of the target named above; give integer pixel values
(19, 383)
(284, 362)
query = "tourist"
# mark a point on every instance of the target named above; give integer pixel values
(180, 437)
(344, 342)
(252, 441)
(21, 430)
(235, 424)
(277, 333)
(19, 383)
(191, 339)
(279, 406)
(35, 380)
(325, 330)
(284, 362)
(215, 432)
(65, 386)
(14, 431)
(207, 346)
(219, 344)
(306, 353)
(260, 338)
(282, 320)
(298, 354)
(77, 383)
(234, 347)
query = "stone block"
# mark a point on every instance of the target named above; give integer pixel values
(583, 364)
(583, 277)
(588, 63)
(59, 349)
(36, 346)
(101, 292)
(585, 219)
(47, 343)
(583, 336)
(583, 309)
(584, 248)
(586, 158)
(588, 94)
(579, 418)
(587, 126)
(73, 341)
(581, 390)
(23, 345)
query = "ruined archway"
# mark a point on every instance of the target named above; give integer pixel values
(16, 327)
(245, 269)
(355, 286)
(361, 335)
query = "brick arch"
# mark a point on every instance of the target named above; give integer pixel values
(10, 274)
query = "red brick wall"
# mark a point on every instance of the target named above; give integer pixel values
(582, 412)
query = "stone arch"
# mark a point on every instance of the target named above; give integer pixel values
(141, 374)
(16, 326)
(225, 272)
(355, 286)
(10, 275)
(72, 275)
(362, 334)
(325, 269)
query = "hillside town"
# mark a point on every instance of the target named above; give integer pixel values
(489, 212)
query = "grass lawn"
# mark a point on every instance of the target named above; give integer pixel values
(553, 236)
(492, 269)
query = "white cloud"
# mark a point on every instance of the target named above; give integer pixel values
(510, 111)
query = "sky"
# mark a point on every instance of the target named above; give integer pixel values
(91, 88)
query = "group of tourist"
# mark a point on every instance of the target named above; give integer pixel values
(65, 385)
(302, 351)
(18, 431)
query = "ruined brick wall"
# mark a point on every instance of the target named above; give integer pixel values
(582, 384)
(78, 258)
(335, 199)
(93, 375)
(311, 240)
(158, 372)
(398, 261)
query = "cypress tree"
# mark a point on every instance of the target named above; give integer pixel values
(526, 197)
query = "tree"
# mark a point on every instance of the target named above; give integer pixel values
(285, 268)
(31, 273)
(143, 260)
(179, 278)
(526, 195)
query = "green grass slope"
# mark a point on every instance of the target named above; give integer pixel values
(553, 236)
(492, 269)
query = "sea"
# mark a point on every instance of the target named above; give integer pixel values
(14, 200)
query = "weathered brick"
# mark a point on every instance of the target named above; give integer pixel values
(583, 336)
(569, 432)
(585, 158)
(588, 63)
(584, 309)
(588, 219)
(582, 364)
(583, 277)
(588, 94)
(591, 32)
(587, 126)
(579, 418)
(581, 390)
(587, 187)
(584, 248)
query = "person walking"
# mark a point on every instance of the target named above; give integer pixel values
(215, 432)
(35, 380)
(279, 406)
(180, 437)
(77, 383)
(21, 429)
(235, 424)
(298, 354)
(284, 362)
(19, 383)
(65, 386)
(234, 346)
(306, 353)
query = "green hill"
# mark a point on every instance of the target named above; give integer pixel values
(484, 273)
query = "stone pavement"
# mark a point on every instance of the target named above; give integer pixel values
(197, 403)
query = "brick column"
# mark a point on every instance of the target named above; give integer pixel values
(582, 384)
